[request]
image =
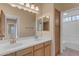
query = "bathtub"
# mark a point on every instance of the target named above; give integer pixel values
(70, 49)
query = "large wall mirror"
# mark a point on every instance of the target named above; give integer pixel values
(8, 26)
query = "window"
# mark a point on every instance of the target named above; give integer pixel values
(69, 19)
(77, 17)
(73, 18)
(65, 19)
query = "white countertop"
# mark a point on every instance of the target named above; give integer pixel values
(21, 43)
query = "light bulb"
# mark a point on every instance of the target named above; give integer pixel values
(47, 17)
(27, 5)
(37, 9)
(25, 9)
(32, 7)
(21, 3)
(13, 5)
(19, 7)
(29, 10)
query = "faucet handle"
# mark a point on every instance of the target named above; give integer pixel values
(12, 41)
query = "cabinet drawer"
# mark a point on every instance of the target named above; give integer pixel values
(38, 46)
(39, 52)
(24, 51)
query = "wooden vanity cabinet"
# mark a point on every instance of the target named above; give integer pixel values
(39, 50)
(43, 49)
(47, 47)
(25, 52)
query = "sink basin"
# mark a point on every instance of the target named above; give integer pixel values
(11, 46)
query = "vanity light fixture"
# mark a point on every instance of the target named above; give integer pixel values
(21, 3)
(47, 17)
(36, 8)
(25, 9)
(26, 6)
(19, 7)
(32, 7)
(13, 5)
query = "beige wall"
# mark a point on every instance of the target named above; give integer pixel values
(47, 9)
(27, 19)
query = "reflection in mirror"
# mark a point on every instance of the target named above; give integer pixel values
(46, 23)
(43, 23)
(39, 25)
(11, 28)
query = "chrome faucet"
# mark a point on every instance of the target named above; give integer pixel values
(36, 37)
(12, 41)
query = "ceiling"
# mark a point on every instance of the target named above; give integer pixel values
(65, 6)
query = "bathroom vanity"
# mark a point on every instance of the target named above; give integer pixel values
(43, 49)
(35, 48)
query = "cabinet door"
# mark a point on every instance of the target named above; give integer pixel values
(39, 50)
(25, 52)
(48, 49)
(11, 54)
